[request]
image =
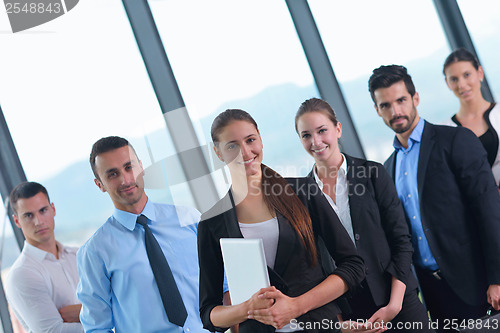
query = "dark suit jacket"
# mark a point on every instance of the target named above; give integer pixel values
(292, 273)
(460, 209)
(380, 229)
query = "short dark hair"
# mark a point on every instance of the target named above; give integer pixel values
(104, 145)
(461, 54)
(386, 76)
(26, 190)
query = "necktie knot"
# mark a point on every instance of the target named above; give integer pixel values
(142, 220)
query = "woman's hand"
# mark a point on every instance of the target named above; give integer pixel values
(287, 308)
(384, 314)
(391, 310)
(230, 315)
(280, 313)
(257, 302)
(350, 326)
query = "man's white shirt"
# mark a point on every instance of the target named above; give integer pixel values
(39, 284)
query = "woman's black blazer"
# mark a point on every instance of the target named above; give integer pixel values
(292, 273)
(380, 228)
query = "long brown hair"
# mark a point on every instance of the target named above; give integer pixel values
(278, 194)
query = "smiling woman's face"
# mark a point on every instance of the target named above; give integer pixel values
(240, 145)
(464, 80)
(319, 136)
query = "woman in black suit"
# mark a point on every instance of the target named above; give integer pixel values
(365, 199)
(289, 215)
(463, 76)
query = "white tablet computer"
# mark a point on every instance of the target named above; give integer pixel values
(245, 267)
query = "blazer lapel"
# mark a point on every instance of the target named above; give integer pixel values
(311, 174)
(355, 200)
(286, 243)
(390, 165)
(230, 218)
(426, 145)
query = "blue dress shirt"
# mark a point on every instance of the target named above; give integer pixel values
(117, 287)
(407, 187)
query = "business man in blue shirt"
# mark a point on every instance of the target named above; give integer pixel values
(452, 205)
(117, 285)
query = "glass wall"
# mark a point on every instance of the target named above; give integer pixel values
(481, 18)
(360, 36)
(9, 251)
(67, 83)
(64, 85)
(227, 54)
(80, 77)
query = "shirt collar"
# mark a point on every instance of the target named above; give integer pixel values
(415, 136)
(128, 220)
(39, 254)
(342, 170)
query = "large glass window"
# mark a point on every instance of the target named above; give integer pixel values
(481, 18)
(66, 84)
(246, 55)
(9, 251)
(360, 36)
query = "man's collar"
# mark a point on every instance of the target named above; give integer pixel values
(39, 254)
(128, 220)
(415, 136)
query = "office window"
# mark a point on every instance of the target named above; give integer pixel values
(8, 244)
(64, 85)
(360, 36)
(481, 18)
(246, 55)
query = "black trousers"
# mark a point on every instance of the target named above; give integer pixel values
(444, 304)
(412, 317)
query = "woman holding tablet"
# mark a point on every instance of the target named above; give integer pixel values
(365, 199)
(289, 215)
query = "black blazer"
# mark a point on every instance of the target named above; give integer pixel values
(460, 209)
(380, 230)
(292, 273)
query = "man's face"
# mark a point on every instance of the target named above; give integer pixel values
(35, 217)
(121, 175)
(396, 106)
